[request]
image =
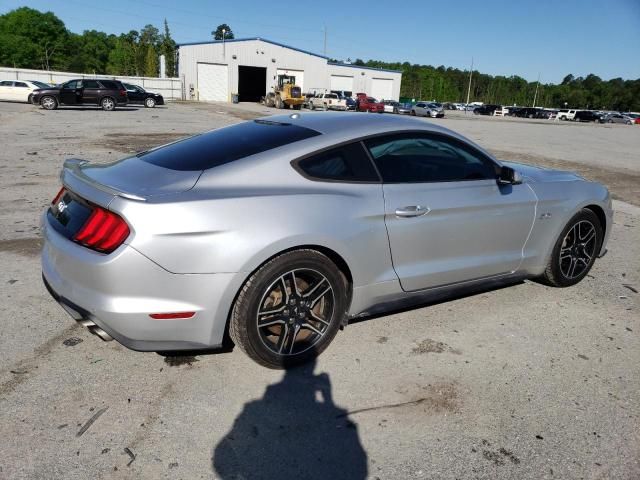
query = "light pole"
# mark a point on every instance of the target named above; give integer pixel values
(224, 50)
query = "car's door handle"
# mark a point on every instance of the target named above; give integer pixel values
(412, 211)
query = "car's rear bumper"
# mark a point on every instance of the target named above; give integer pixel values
(118, 292)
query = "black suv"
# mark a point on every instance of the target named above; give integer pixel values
(587, 116)
(104, 93)
(486, 109)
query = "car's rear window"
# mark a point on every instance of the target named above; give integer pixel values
(226, 145)
(110, 84)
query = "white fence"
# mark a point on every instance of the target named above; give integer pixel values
(169, 88)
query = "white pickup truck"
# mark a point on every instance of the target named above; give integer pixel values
(327, 101)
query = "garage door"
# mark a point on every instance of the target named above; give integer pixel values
(213, 82)
(382, 88)
(341, 83)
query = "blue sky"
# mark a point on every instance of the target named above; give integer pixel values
(520, 37)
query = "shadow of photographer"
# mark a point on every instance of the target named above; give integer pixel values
(294, 431)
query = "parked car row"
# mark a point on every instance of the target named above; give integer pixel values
(107, 94)
(361, 102)
(561, 114)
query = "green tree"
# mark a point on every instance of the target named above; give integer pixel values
(168, 49)
(218, 32)
(32, 39)
(151, 62)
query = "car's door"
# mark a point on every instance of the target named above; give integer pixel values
(6, 90)
(448, 219)
(21, 91)
(90, 92)
(421, 109)
(70, 92)
(135, 95)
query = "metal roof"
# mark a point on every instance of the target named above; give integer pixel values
(337, 64)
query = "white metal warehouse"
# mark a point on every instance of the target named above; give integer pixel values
(249, 67)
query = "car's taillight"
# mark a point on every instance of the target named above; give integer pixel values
(104, 231)
(123, 93)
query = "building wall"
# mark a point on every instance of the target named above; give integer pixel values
(254, 53)
(258, 53)
(363, 78)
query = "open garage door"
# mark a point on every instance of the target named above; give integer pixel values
(252, 83)
(213, 82)
(382, 88)
(297, 74)
(341, 83)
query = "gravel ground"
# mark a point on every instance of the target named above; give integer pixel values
(524, 382)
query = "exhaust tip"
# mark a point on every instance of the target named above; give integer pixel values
(97, 331)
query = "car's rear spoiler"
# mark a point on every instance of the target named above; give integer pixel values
(76, 180)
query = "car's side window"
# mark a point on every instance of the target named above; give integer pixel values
(348, 163)
(20, 84)
(417, 157)
(6, 84)
(90, 84)
(72, 84)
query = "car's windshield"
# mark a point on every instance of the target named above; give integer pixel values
(39, 84)
(371, 100)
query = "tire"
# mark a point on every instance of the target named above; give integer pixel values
(149, 102)
(312, 270)
(575, 242)
(311, 107)
(279, 103)
(297, 107)
(325, 107)
(413, 113)
(108, 104)
(563, 118)
(48, 102)
(29, 98)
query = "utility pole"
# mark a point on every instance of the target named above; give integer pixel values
(325, 41)
(469, 87)
(535, 96)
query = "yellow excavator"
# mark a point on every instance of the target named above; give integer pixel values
(286, 95)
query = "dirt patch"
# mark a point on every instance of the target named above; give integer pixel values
(28, 247)
(432, 346)
(138, 142)
(434, 398)
(623, 184)
(178, 360)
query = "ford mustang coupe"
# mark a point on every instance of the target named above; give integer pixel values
(273, 233)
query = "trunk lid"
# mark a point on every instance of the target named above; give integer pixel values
(131, 178)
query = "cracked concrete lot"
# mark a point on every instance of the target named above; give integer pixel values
(525, 382)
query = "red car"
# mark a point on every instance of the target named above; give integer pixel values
(365, 103)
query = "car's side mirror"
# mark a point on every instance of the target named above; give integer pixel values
(509, 176)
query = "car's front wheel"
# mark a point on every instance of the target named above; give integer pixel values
(48, 102)
(575, 250)
(290, 309)
(149, 102)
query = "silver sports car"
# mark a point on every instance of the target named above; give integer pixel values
(273, 233)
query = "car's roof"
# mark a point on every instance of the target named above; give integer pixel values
(341, 124)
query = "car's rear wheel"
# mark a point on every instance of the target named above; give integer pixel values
(290, 309)
(108, 104)
(149, 102)
(48, 102)
(575, 250)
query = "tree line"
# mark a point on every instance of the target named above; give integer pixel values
(33, 39)
(444, 84)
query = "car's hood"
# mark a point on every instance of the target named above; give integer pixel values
(541, 174)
